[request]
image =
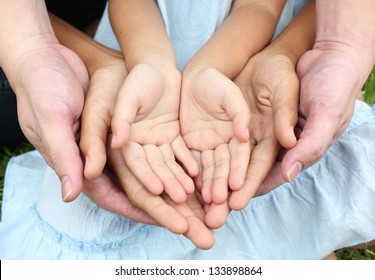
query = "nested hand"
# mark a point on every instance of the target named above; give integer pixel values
(214, 122)
(270, 85)
(145, 125)
(50, 83)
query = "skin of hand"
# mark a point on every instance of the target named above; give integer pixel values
(103, 186)
(330, 83)
(271, 87)
(134, 200)
(49, 84)
(49, 81)
(103, 64)
(107, 192)
(145, 125)
(332, 75)
(182, 218)
(214, 121)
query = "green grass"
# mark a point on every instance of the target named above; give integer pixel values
(365, 253)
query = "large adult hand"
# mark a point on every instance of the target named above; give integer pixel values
(330, 82)
(49, 82)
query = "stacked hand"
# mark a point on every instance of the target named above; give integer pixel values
(214, 121)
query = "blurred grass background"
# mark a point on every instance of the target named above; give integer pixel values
(364, 253)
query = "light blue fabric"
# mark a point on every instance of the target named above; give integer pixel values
(190, 23)
(328, 206)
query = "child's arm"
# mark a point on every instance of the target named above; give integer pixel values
(248, 28)
(145, 119)
(214, 116)
(271, 87)
(141, 33)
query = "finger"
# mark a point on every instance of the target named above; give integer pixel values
(104, 192)
(64, 157)
(315, 139)
(198, 180)
(208, 165)
(240, 156)
(171, 185)
(221, 174)
(185, 156)
(94, 131)
(262, 159)
(136, 159)
(273, 180)
(197, 232)
(217, 215)
(285, 111)
(124, 114)
(154, 205)
(169, 159)
(237, 109)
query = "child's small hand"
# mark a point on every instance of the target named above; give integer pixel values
(98, 110)
(214, 121)
(271, 87)
(145, 125)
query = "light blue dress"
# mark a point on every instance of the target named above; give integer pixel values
(329, 206)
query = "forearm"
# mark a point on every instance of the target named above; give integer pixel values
(141, 33)
(24, 26)
(298, 37)
(91, 52)
(247, 30)
(349, 24)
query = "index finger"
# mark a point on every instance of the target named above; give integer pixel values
(262, 159)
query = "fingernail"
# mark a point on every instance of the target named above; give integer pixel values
(66, 187)
(293, 171)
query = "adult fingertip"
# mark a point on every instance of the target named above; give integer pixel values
(293, 171)
(66, 189)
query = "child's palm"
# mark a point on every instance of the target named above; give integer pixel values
(214, 118)
(146, 126)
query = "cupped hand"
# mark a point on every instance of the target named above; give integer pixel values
(270, 85)
(330, 83)
(145, 125)
(214, 122)
(50, 83)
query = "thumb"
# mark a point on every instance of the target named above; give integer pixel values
(63, 155)
(124, 114)
(285, 111)
(315, 139)
(237, 109)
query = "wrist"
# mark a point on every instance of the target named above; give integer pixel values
(25, 26)
(346, 25)
(102, 58)
(361, 61)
